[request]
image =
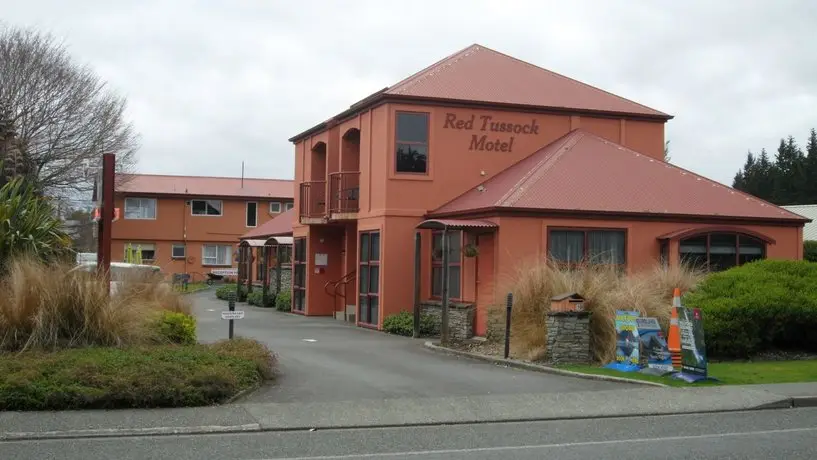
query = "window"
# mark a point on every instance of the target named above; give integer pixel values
(369, 278)
(252, 214)
(216, 254)
(288, 206)
(454, 264)
(588, 246)
(285, 252)
(147, 252)
(261, 262)
(274, 207)
(140, 208)
(206, 207)
(411, 151)
(720, 251)
(299, 275)
(178, 251)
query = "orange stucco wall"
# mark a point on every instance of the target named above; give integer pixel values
(395, 204)
(174, 223)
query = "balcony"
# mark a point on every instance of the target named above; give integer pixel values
(313, 202)
(344, 189)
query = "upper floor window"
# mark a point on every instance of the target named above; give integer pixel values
(140, 208)
(252, 214)
(288, 206)
(206, 207)
(587, 246)
(411, 151)
(274, 207)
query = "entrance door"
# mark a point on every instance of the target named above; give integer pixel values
(369, 278)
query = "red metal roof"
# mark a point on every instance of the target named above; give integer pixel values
(277, 226)
(206, 186)
(583, 172)
(481, 74)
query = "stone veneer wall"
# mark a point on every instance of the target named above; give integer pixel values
(568, 338)
(460, 318)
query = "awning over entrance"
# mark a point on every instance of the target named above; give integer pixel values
(285, 240)
(253, 243)
(456, 224)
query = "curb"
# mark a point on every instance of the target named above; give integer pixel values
(804, 401)
(537, 367)
(127, 432)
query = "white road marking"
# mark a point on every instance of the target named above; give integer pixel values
(309, 340)
(542, 446)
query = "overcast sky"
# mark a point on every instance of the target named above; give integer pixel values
(211, 83)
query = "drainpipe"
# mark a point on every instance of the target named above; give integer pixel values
(444, 314)
(417, 284)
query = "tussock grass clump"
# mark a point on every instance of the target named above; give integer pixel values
(605, 289)
(49, 307)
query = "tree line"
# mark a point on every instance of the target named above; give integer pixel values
(789, 177)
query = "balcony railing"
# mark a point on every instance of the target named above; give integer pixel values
(313, 199)
(344, 189)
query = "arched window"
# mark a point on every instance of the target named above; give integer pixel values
(721, 250)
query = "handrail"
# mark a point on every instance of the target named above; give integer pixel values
(344, 280)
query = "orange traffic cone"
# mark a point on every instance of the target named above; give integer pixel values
(674, 336)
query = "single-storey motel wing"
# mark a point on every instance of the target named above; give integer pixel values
(512, 163)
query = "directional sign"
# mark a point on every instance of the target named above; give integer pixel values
(237, 314)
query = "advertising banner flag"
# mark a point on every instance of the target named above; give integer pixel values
(627, 344)
(654, 351)
(693, 347)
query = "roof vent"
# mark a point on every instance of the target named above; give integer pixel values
(480, 188)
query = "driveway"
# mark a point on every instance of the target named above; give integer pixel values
(322, 359)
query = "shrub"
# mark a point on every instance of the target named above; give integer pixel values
(283, 301)
(605, 290)
(223, 292)
(51, 307)
(810, 251)
(29, 226)
(111, 378)
(177, 328)
(403, 324)
(760, 306)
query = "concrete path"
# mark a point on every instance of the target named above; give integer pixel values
(322, 359)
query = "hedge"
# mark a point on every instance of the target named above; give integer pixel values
(810, 251)
(760, 306)
(403, 324)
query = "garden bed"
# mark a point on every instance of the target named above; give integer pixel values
(133, 377)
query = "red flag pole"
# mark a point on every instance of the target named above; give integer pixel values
(103, 261)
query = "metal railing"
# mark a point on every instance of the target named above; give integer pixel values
(344, 189)
(313, 199)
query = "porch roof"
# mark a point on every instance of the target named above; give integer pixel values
(285, 240)
(456, 224)
(253, 243)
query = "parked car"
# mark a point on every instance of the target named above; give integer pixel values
(122, 272)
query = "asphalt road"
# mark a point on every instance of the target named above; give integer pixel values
(789, 434)
(322, 359)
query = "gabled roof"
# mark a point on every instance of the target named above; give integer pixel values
(204, 186)
(808, 211)
(481, 75)
(278, 226)
(582, 172)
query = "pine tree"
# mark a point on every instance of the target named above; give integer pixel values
(810, 174)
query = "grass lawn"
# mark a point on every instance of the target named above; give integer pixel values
(143, 377)
(729, 373)
(192, 287)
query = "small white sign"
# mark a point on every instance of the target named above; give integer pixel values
(238, 314)
(321, 260)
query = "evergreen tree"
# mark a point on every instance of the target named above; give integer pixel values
(810, 175)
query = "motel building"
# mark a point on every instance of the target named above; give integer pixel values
(513, 163)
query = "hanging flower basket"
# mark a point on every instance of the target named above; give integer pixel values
(470, 250)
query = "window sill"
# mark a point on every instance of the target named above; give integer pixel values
(411, 177)
(216, 266)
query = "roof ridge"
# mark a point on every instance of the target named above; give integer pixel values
(541, 167)
(712, 182)
(430, 70)
(565, 77)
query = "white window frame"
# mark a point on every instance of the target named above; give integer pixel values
(173, 249)
(277, 205)
(220, 207)
(134, 245)
(247, 213)
(140, 201)
(288, 205)
(228, 259)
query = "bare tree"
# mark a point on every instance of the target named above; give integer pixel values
(64, 115)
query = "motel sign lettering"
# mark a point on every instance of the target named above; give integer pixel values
(487, 123)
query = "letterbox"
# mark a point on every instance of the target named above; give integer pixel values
(570, 301)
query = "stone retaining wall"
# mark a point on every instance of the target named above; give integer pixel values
(460, 318)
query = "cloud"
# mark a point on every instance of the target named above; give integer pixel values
(213, 83)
